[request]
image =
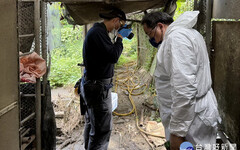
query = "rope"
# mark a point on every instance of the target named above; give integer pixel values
(127, 83)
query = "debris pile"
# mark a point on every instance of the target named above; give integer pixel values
(68, 117)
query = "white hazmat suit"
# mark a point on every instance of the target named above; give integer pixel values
(188, 106)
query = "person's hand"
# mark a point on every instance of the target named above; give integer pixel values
(119, 35)
(175, 142)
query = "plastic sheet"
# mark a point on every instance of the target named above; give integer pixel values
(32, 66)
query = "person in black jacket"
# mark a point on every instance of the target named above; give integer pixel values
(99, 56)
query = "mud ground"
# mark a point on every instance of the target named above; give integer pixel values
(125, 135)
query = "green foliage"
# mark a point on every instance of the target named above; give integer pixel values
(158, 119)
(129, 53)
(64, 69)
(152, 89)
(155, 116)
(150, 56)
(182, 6)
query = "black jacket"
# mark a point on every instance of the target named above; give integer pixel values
(99, 53)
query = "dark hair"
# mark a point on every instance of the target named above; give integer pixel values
(151, 19)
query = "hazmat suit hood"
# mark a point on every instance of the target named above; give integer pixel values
(186, 20)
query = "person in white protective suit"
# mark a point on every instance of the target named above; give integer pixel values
(188, 106)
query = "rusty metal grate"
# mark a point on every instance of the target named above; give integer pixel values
(25, 25)
(27, 108)
(27, 88)
(27, 105)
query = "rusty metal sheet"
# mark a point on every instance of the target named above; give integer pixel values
(226, 75)
(9, 54)
(9, 138)
(106, 1)
(84, 12)
(226, 9)
(9, 119)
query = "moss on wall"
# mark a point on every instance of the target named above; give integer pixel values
(146, 52)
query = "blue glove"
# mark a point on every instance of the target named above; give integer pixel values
(124, 32)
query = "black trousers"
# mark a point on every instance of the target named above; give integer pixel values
(98, 120)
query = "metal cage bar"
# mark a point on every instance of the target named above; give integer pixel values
(37, 24)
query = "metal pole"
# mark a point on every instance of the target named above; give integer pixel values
(25, 132)
(38, 83)
(208, 25)
(27, 118)
(85, 30)
(44, 42)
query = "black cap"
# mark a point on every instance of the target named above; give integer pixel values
(115, 12)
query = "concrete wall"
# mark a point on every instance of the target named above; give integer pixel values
(226, 75)
(9, 121)
(227, 9)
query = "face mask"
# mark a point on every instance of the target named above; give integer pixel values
(154, 43)
(113, 35)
